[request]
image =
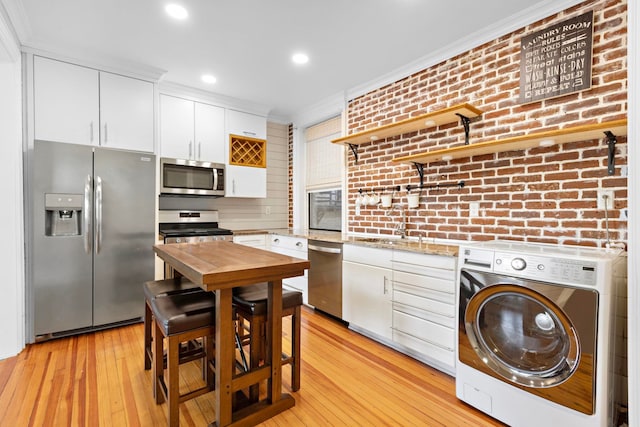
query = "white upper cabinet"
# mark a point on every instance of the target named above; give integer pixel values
(191, 130)
(176, 127)
(80, 105)
(126, 113)
(209, 133)
(246, 124)
(245, 181)
(66, 102)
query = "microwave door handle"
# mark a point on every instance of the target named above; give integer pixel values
(215, 179)
(86, 215)
(98, 208)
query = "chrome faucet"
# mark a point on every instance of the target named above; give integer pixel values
(401, 228)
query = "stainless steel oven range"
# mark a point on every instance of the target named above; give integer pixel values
(185, 226)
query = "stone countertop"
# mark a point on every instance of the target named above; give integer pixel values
(427, 246)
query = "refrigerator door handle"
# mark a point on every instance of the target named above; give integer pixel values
(86, 220)
(98, 213)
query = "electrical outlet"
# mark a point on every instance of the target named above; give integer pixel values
(267, 210)
(605, 196)
(474, 209)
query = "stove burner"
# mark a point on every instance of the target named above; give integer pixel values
(181, 229)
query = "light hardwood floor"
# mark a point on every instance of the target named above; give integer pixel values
(98, 379)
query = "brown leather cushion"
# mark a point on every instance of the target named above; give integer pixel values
(252, 299)
(182, 312)
(165, 287)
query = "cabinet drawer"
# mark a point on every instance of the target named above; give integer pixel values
(442, 355)
(420, 328)
(424, 270)
(438, 303)
(425, 282)
(279, 242)
(369, 256)
(253, 240)
(433, 261)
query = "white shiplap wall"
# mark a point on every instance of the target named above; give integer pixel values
(248, 214)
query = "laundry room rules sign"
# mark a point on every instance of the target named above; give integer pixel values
(557, 60)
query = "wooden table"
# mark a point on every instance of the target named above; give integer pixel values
(220, 266)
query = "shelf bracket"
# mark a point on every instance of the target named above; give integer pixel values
(420, 168)
(465, 122)
(354, 150)
(611, 140)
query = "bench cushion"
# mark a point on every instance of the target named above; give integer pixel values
(165, 287)
(182, 312)
(253, 298)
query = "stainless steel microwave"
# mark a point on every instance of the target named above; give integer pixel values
(191, 177)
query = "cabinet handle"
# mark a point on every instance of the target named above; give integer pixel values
(299, 244)
(233, 186)
(190, 150)
(199, 150)
(276, 240)
(91, 131)
(106, 138)
(385, 285)
(246, 132)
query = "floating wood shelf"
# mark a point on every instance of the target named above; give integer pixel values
(545, 138)
(413, 124)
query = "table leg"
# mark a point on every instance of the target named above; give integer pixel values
(274, 340)
(225, 356)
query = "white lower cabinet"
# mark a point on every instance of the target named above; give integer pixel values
(254, 240)
(366, 289)
(295, 247)
(404, 299)
(424, 319)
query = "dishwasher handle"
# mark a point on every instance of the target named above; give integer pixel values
(324, 249)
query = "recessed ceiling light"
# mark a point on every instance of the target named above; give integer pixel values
(300, 58)
(176, 11)
(208, 78)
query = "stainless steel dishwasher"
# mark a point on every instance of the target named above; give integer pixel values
(325, 276)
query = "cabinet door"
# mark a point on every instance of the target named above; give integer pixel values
(244, 181)
(126, 113)
(366, 297)
(209, 133)
(176, 127)
(246, 124)
(65, 102)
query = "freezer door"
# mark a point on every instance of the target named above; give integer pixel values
(61, 259)
(124, 233)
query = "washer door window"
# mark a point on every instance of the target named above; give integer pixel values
(522, 336)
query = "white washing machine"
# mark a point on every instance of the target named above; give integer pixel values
(535, 332)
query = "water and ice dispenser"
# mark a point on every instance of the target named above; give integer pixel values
(63, 214)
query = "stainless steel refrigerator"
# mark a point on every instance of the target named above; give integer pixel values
(92, 231)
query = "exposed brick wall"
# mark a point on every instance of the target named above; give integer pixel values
(540, 194)
(290, 177)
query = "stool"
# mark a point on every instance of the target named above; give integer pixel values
(251, 304)
(152, 290)
(179, 318)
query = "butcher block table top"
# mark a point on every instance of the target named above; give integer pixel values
(220, 266)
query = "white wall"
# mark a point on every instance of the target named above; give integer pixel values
(11, 224)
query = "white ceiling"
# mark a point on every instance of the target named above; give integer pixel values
(247, 44)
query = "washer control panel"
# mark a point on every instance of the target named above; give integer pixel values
(541, 267)
(546, 268)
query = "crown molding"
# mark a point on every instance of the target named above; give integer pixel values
(325, 109)
(99, 62)
(9, 43)
(199, 95)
